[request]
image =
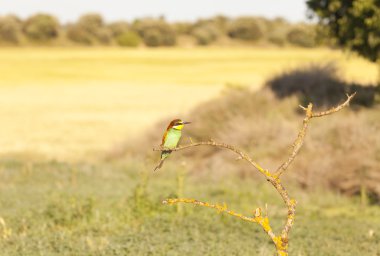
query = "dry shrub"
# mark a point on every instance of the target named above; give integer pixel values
(341, 152)
(350, 148)
(239, 118)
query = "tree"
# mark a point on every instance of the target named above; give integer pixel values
(245, 28)
(301, 36)
(205, 33)
(118, 28)
(41, 27)
(155, 32)
(128, 39)
(354, 24)
(10, 29)
(89, 29)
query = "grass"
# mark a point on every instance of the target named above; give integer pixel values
(53, 208)
(73, 103)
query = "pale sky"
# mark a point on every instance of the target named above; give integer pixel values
(173, 10)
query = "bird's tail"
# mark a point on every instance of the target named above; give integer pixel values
(159, 165)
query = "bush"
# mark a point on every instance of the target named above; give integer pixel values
(277, 30)
(10, 29)
(265, 126)
(78, 34)
(365, 95)
(129, 39)
(41, 27)
(316, 83)
(277, 40)
(183, 28)
(153, 37)
(205, 34)
(118, 28)
(155, 32)
(220, 22)
(245, 29)
(301, 37)
(89, 29)
(321, 85)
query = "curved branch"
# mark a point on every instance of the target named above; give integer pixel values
(243, 155)
(335, 109)
(301, 134)
(258, 218)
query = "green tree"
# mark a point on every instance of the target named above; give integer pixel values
(41, 27)
(354, 24)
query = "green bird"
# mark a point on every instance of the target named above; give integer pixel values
(171, 138)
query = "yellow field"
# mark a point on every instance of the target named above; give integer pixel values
(67, 103)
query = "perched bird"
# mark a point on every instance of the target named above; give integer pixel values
(171, 138)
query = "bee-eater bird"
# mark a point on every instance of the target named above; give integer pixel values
(171, 138)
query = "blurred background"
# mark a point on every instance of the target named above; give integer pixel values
(87, 90)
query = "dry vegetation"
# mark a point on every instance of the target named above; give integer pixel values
(59, 103)
(86, 100)
(264, 127)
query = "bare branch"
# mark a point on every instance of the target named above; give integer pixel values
(337, 108)
(243, 155)
(301, 134)
(258, 218)
(297, 143)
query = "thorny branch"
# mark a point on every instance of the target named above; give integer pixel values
(282, 241)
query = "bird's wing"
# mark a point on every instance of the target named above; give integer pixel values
(164, 137)
(167, 130)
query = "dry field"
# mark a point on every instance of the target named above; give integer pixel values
(69, 103)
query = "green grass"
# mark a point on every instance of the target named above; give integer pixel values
(54, 208)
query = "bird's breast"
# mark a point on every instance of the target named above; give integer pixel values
(172, 138)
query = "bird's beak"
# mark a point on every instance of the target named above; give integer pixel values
(186, 122)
